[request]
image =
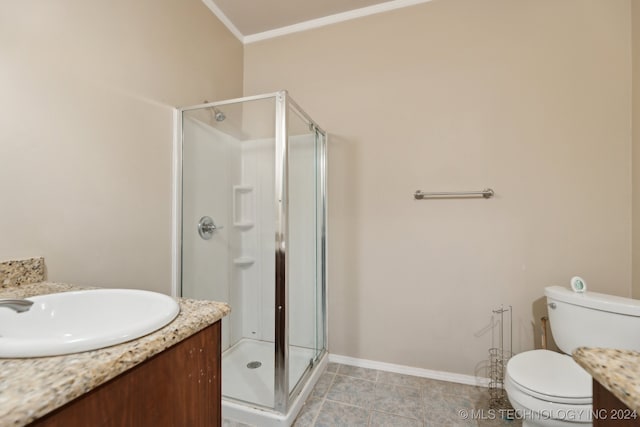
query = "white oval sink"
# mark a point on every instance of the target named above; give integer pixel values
(71, 322)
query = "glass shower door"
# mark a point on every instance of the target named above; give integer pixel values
(211, 164)
(306, 327)
(228, 205)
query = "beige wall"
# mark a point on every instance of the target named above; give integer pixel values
(529, 98)
(635, 43)
(86, 130)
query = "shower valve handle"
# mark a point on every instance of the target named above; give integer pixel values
(206, 227)
(210, 228)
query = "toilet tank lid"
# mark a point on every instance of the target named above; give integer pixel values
(595, 300)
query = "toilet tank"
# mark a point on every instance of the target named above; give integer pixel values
(591, 319)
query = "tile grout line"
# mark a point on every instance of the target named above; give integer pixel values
(425, 394)
(371, 410)
(391, 413)
(346, 404)
(377, 381)
(324, 398)
(424, 406)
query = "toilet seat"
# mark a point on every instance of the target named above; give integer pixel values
(537, 412)
(550, 376)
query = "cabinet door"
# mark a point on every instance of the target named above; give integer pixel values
(178, 387)
(608, 410)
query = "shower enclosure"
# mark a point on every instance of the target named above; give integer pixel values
(251, 207)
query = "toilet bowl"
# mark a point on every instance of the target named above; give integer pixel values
(548, 389)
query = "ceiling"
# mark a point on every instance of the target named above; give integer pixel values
(253, 20)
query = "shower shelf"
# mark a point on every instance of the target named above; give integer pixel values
(243, 225)
(240, 219)
(244, 261)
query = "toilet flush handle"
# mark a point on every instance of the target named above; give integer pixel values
(552, 305)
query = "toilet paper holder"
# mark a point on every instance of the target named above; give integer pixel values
(498, 358)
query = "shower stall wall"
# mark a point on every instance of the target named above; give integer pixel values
(250, 231)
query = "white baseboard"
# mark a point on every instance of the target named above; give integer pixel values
(409, 370)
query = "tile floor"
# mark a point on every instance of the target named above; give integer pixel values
(350, 396)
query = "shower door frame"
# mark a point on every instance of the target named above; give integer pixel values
(282, 396)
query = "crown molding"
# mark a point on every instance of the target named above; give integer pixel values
(226, 21)
(313, 23)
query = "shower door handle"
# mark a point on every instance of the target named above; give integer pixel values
(206, 227)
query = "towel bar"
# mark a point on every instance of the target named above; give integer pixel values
(486, 193)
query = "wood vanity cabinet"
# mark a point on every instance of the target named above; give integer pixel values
(179, 387)
(608, 410)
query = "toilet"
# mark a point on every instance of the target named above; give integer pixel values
(550, 389)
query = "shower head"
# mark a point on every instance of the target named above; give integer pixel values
(219, 115)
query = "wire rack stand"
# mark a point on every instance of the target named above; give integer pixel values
(498, 358)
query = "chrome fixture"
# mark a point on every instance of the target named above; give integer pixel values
(254, 365)
(498, 359)
(486, 193)
(219, 115)
(206, 227)
(17, 305)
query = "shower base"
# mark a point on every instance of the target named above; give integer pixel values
(254, 386)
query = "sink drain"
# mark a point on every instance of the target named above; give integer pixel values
(253, 365)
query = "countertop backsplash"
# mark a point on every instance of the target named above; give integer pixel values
(21, 272)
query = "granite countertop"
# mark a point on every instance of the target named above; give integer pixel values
(31, 388)
(617, 370)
